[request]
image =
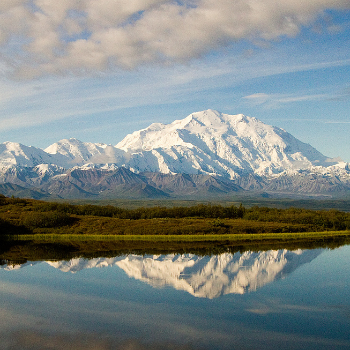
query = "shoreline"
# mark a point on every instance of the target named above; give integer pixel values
(19, 250)
(252, 237)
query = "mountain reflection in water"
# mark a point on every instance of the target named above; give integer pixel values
(176, 301)
(202, 276)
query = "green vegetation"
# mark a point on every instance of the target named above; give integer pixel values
(69, 247)
(25, 216)
(36, 230)
(55, 218)
(247, 201)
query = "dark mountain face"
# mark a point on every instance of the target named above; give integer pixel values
(123, 183)
(120, 183)
(189, 184)
(307, 183)
(98, 183)
(34, 182)
(9, 189)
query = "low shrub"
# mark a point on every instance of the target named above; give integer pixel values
(45, 219)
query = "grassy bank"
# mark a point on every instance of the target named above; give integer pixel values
(299, 236)
(60, 247)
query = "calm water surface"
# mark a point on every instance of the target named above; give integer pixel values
(253, 300)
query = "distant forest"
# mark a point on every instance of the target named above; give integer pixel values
(32, 216)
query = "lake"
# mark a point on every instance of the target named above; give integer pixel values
(291, 299)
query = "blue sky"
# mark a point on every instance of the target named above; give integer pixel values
(98, 71)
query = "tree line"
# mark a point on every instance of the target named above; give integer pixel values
(49, 214)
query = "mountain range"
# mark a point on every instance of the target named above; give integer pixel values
(206, 154)
(202, 276)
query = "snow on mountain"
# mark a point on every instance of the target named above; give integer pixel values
(32, 176)
(211, 142)
(207, 142)
(79, 153)
(254, 155)
(12, 154)
(206, 276)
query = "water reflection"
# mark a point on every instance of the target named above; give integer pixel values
(32, 340)
(212, 277)
(202, 276)
(292, 299)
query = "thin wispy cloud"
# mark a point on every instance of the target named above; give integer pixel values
(336, 122)
(38, 102)
(39, 37)
(271, 101)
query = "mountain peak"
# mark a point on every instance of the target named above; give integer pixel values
(212, 142)
(233, 147)
(211, 116)
(77, 152)
(13, 153)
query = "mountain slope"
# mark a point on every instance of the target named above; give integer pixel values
(75, 152)
(30, 176)
(211, 142)
(207, 153)
(9, 189)
(101, 183)
(12, 154)
(190, 184)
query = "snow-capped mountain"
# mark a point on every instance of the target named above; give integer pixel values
(220, 153)
(211, 142)
(15, 154)
(202, 276)
(76, 152)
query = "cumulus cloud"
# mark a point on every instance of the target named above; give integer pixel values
(57, 37)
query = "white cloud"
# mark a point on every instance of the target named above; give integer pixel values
(47, 37)
(258, 98)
